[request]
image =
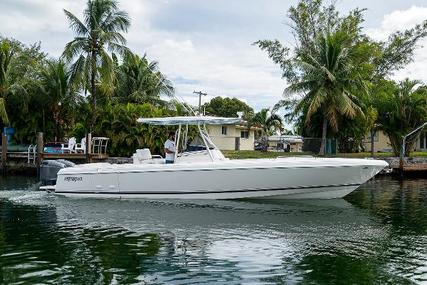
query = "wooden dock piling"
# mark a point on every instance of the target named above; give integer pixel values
(4, 152)
(88, 147)
(40, 145)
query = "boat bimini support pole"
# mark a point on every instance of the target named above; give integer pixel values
(208, 138)
(177, 137)
(205, 142)
(185, 139)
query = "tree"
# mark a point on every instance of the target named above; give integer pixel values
(6, 54)
(371, 125)
(140, 81)
(401, 108)
(228, 107)
(321, 29)
(329, 80)
(119, 123)
(268, 122)
(59, 96)
(98, 34)
(22, 90)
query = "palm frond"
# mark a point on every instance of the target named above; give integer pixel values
(118, 21)
(317, 99)
(75, 24)
(112, 37)
(74, 48)
(120, 49)
(77, 70)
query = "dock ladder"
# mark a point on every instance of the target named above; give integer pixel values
(31, 154)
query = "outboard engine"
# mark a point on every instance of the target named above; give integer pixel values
(49, 170)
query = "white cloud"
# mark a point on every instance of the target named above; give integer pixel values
(220, 68)
(400, 20)
(404, 18)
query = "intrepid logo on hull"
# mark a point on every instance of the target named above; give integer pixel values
(73, 179)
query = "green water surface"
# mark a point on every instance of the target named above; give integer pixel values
(376, 235)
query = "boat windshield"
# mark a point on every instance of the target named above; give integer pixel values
(202, 142)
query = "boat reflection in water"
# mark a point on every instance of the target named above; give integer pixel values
(46, 238)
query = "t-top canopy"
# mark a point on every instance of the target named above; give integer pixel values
(194, 120)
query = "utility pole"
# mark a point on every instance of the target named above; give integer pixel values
(200, 93)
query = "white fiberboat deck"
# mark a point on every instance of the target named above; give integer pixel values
(207, 174)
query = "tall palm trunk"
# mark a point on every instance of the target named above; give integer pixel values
(93, 91)
(324, 132)
(372, 142)
(57, 127)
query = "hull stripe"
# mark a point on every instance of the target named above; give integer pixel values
(204, 192)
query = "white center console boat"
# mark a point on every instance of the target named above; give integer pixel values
(207, 174)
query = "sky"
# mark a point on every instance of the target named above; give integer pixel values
(207, 45)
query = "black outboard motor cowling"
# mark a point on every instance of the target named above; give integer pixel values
(49, 170)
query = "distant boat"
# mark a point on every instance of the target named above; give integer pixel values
(207, 174)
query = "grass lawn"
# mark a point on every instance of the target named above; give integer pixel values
(378, 154)
(243, 154)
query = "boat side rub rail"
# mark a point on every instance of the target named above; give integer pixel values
(215, 169)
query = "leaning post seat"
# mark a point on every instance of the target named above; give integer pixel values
(141, 155)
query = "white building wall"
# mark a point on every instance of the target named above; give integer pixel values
(228, 141)
(247, 144)
(382, 142)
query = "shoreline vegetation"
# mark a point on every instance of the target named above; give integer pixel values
(340, 84)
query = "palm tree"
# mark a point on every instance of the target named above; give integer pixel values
(6, 54)
(269, 122)
(140, 81)
(400, 111)
(98, 34)
(329, 81)
(59, 95)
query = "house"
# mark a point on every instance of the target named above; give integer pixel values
(285, 143)
(232, 137)
(382, 142)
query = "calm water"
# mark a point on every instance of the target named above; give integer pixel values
(377, 235)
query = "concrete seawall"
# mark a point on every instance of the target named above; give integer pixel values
(411, 164)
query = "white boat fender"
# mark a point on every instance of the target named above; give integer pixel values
(47, 188)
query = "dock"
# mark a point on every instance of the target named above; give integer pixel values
(23, 161)
(79, 157)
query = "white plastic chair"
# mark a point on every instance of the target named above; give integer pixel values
(99, 145)
(81, 147)
(69, 147)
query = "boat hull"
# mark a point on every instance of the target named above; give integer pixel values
(229, 180)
